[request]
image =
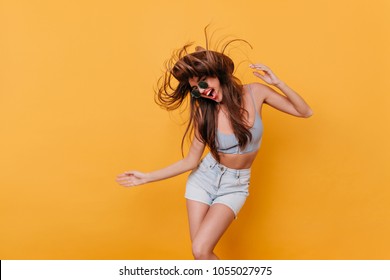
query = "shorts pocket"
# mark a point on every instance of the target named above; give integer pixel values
(243, 180)
(203, 167)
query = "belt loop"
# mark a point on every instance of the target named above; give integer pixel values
(213, 162)
(238, 174)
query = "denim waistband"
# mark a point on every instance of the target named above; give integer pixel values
(212, 162)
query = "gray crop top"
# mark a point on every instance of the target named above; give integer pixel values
(228, 143)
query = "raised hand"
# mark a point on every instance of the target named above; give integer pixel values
(265, 73)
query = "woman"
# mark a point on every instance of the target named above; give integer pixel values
(225, 116)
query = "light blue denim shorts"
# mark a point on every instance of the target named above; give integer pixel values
(212, 183)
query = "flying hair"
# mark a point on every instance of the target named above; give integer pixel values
(173, 90)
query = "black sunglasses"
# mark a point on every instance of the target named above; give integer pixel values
(195, 93)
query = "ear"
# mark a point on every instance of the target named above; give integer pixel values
(199, 49)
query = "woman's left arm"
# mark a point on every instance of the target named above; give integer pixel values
(292, 103)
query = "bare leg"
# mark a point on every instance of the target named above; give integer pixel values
(207, 227)
(196, 213)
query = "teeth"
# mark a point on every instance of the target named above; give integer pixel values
(210, 93)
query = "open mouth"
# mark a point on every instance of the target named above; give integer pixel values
(210, 93)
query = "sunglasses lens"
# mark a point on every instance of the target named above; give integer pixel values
(195, 93)
(203, 85)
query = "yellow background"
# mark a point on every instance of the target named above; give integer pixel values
(77, 108)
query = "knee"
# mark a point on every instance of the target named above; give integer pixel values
(200, 251)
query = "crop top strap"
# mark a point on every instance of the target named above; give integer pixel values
(253, 99)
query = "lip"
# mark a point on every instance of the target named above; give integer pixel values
(207, 92)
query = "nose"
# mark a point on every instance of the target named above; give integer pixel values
(201, 90)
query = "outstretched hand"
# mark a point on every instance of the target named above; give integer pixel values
(265, 73)
(131, 178)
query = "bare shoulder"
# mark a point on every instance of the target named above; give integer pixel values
(259, 91)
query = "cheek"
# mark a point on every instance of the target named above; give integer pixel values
(217, 86)
(214, 83)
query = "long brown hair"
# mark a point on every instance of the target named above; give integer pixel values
(173, 90)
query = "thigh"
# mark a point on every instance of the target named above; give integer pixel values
(196, 212)
(215, 223)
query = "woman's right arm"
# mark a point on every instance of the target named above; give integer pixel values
(135, 178)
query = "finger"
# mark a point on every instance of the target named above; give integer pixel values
(258, 66)
(122, 177)
(131, 184)
(123, 180)
(257, 74)
(127, 183)
(265, 78)
(120, 180)
(126, 174)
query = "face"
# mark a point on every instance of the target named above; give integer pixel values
(208, 87)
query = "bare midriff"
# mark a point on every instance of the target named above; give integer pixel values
(238, 161)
